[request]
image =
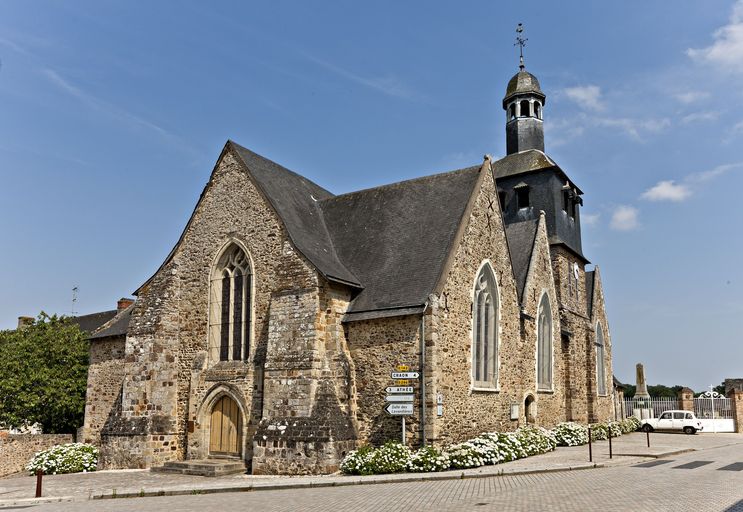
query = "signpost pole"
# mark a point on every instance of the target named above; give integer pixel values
(403, 430)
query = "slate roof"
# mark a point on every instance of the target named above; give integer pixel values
(590, 278)
(397, 238)
(89, 323)
(520, 237)
(295, 200)
(531, 160)
(118, 325)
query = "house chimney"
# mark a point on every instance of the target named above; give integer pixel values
(123, 303)
(24, 321)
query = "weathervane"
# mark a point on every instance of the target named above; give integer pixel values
(520, 42)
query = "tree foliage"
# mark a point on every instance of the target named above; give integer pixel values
(43, 375)
(658, 390)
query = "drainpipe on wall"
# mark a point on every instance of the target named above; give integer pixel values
(422, 358)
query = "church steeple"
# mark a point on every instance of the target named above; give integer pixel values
(523, 103)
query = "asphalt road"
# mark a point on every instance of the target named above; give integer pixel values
(704, 480)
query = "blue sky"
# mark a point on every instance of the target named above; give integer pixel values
(113, 114)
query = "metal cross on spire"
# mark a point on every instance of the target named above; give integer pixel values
(520, 42)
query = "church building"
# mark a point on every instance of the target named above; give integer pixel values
(269, 334)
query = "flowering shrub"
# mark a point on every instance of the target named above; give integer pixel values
(429, 458)
(465, 455)
(599, 431)
(510, 446)
(393, 457)
(488, 447)
(616, 428)
(536, 440)
(65, 458)
(571, 434)
(357, 462)
(630, 424)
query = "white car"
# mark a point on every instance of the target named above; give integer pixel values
(674, 420)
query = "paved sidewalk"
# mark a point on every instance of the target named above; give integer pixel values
(628, 449)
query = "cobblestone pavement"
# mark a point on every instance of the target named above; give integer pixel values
(664, 486)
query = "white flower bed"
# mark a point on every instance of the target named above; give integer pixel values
(486, 449)
(65, 458)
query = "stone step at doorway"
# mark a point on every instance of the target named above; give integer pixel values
(203, 467)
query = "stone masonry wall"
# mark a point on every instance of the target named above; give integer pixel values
(105, 378)
(549, 405)
(602, 406)
(16, 450)
(448, 331)
(377, 347)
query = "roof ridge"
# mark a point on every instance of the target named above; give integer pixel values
(403, 182)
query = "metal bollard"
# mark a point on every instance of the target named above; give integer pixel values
(648, 434)
(610, 454)
(38, 483)
(590, 449)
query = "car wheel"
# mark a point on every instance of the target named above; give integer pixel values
(647, 428)
(690, 430)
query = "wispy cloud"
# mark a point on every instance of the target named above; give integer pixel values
(667, 191)
(625, 218)
(700, 117)
(388, 85)
(726, 51)
(586, 96)
(635, 128)
(670, 190)
(102, 106)
(590, 219)
(689, 97)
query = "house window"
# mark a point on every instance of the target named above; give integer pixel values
(522, 197)
(544, 344)
(485, 329)
(230, 306)
(600, 360)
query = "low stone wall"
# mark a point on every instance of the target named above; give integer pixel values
(17, 449)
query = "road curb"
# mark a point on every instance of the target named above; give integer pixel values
(656, 455)
(338, 483)
(34, 501)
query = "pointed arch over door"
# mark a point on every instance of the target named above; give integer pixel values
(225, 429)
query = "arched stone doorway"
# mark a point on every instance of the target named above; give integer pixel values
(225, 429)
(530, 409)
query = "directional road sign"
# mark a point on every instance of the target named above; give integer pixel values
(399, 409)
(400, 389)
(399, 398)
(405, 375)
(403, 368)
(402, 382)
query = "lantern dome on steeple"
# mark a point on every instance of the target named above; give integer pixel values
(523, 83)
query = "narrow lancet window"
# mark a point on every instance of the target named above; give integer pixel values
(544, 344)
(600, 360)
(485, 330)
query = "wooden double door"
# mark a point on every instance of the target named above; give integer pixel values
(225, 435)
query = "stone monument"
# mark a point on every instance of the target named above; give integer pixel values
(642, 407)
(642, 388)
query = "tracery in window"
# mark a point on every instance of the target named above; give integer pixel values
(230, 306)
(485, 329)
(544, 344)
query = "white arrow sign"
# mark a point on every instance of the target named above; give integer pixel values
(405, 375)
(399, 398)
(400, 389)
(399, 409)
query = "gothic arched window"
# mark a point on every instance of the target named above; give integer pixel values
(544, 344)
(485, 329)
(230, 306)
(600, 360)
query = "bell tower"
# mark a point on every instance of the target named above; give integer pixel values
(523, 103)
